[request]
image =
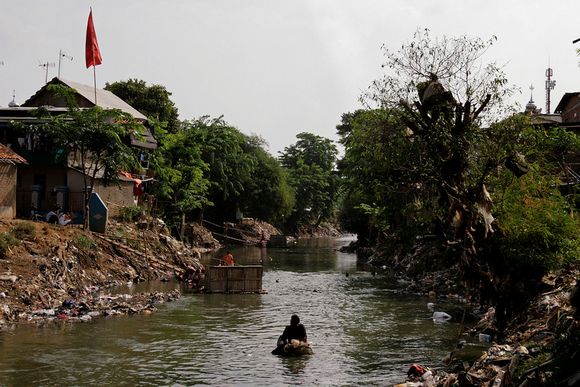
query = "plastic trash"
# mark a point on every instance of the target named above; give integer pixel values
(441, 317)
(431, 306)
(484, 338)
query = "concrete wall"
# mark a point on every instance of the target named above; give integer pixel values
(116, 195)
(7, 191)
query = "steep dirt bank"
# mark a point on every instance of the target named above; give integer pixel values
(323, 230)
(54, 272)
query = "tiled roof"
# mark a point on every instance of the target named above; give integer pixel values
(7, 155)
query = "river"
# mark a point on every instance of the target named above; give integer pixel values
(362, 332)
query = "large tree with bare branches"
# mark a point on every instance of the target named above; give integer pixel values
(438, 144)
(444, 93)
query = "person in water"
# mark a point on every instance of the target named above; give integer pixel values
(294, 331)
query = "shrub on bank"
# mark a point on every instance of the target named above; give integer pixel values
(24, 231)
(6, 241)
(84, 242)
(130, 213)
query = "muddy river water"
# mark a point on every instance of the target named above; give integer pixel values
(362, 332)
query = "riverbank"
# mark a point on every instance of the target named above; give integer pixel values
(51, 272)
(538, 347)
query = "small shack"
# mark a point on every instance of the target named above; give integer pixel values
(234, 279)
(9, 161)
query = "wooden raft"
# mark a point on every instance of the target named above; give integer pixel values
(234, 279)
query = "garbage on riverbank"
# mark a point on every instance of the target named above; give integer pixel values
(541, 347)
(50, 272)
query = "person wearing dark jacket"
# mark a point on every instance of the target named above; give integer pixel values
(294, 331)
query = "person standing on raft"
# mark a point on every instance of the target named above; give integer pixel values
(228, 259)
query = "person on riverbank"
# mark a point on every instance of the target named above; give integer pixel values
(228, 259)
(52, 216)
(64, 219)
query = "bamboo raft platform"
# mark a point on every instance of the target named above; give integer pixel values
(234, 279)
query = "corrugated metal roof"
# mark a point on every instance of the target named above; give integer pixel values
(7, 155)
(105, 98)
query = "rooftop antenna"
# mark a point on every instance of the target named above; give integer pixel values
(60, 56)
(46, 66)
(549, 86)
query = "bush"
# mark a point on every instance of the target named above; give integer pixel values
(6, 241)
(539, 225)
(130, 213)
(84, 242)
(24, 231)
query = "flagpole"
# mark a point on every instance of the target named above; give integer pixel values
(94, 68)
(95, 82)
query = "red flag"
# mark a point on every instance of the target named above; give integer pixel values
(92, 53)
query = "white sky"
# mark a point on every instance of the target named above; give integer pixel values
(275, 67)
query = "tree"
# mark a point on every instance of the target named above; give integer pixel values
(267, 194)
(311, 168)
(456, 158)
(441, 88)
(378, 170)
(180, 173)
(153, 101)
(226, 171)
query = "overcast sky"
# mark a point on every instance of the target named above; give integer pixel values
(272, 67)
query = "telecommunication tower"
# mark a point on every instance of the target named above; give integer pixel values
(550, 84)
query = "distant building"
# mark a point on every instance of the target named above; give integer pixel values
(569, 109)
(566, 116)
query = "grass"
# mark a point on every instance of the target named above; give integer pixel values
(7, 241)
(84, 242)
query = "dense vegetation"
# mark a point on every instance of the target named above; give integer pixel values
(206, 168)
(311, 165)
(438, 153)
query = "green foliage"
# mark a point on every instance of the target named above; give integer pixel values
(130, 213)
(311, 168)
(180, 172)
(212, 167)
(153, 101)
(267, 194)
(24, 231)
(432, 157)
(7, 241)
(537, 223)
(84, 242)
